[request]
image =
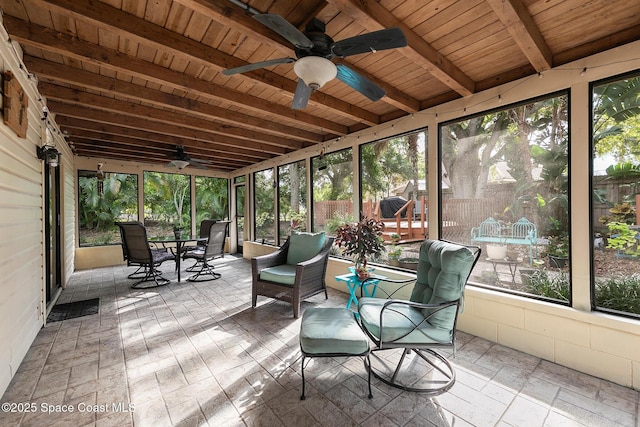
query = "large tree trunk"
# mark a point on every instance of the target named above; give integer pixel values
(519, 116)
(412, 142)
(294, 174)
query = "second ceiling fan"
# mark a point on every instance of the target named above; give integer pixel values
(314, 50)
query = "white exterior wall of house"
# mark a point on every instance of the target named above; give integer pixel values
(22, 284)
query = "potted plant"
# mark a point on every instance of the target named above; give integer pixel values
(362, 241)
(178, 228)
(394, 255)
(498, 250)
(395, 238)
(558, 250)
(526, 273)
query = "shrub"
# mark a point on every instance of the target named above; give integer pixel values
(394, 252)
(336, 221)
(489, 277)
(624, 239)
(620, 293)
(555, 286)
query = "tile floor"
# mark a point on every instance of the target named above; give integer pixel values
(197, 354)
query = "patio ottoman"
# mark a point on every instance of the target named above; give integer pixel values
(332, 332)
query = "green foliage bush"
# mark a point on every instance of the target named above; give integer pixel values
(550, 285)
(336, 221)
(623, 238)
(620, 293)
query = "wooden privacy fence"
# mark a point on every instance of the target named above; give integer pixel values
(459, 215)
(614, 191)
(324, 211)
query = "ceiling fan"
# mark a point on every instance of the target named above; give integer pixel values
(314, 51)
(182, 160)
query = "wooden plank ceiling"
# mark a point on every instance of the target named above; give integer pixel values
(133, 79)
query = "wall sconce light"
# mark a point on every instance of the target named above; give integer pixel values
(49, 154)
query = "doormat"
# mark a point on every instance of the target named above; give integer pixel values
(72, 310)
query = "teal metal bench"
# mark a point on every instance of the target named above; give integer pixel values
(521, 232)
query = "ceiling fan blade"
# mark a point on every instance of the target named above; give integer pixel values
(203, 161)
(283, 27)
(257, 65)
(370, 42)
(359, 83)
(200, 164)
(301, 97)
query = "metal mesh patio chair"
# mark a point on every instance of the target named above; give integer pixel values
(137, 252)
(205, 226)
(213, 248)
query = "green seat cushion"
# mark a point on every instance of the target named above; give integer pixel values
(443, 269)
(284, 274)
(326, 331)
(304, 246)
(401, 324)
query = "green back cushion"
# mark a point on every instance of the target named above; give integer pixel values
(443, 269)
(304, 246)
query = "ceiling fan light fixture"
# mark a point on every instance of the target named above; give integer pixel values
(180, 164)
(315, 71)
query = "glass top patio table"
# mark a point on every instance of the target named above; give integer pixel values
(179, 242)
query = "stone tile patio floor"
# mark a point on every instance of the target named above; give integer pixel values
(197, 354)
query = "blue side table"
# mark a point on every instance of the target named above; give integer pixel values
(353, 282)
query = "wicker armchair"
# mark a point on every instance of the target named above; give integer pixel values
(284, 276)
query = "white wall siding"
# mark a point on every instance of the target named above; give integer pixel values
(68, 220)
(21, 226)
(21, 271)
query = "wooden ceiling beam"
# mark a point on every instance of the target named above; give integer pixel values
(168, 148)
(103, 103)
(86, 79)
(125, 120)
(519, 23)
(129, 26)
(373, 16)
(29, 34)
(239, 20)
(75, 126)
(619, 38)
(82, 145)
(98, 150)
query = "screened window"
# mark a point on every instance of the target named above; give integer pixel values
(292, 202)
(615, 192)
(212, 198)
(505, 187)
(264, 185)
(332, 190)
(103, 199)
(167, 202)
(394, 188)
